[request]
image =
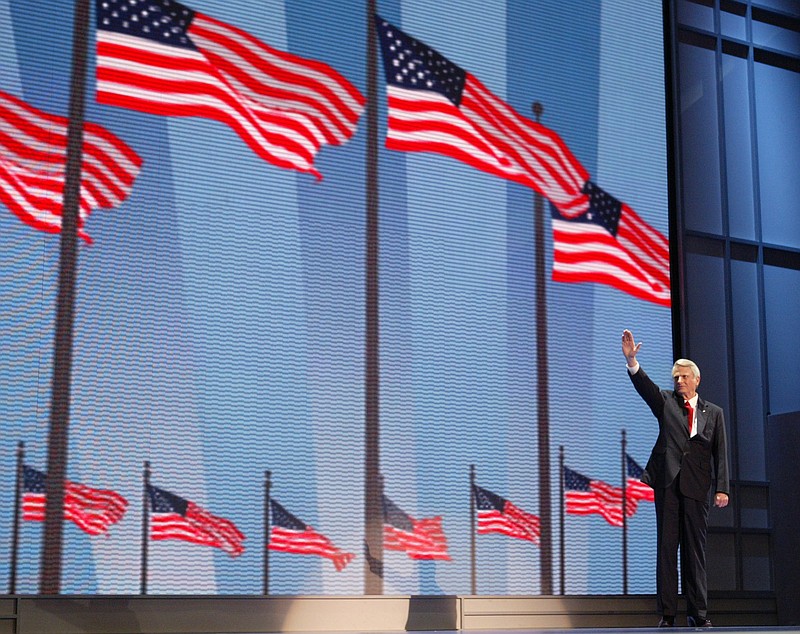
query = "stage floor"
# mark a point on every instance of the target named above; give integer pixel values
(367, 615)
(678, 629)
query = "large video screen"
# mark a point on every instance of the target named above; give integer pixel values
(245, 224)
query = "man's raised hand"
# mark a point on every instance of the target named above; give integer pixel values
(629, 348)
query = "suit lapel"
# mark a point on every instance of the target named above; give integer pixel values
(682, 422)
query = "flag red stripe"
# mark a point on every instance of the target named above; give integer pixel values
(198, 527)
(36, 196)
(105, 183)
(164, 526)
(648, 240)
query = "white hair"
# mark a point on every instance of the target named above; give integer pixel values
(686, 363)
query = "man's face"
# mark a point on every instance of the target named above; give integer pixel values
(685, 382)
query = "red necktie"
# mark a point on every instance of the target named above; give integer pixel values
(691, 415)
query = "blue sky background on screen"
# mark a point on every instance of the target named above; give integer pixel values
(220, 312)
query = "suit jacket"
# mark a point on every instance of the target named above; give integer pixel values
(699, 459)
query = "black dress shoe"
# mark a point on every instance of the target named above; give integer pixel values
(667, 621)
(696, 621)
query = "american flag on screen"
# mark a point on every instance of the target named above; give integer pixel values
(436, 106)
(610, 244)
(635, 489)
(291, 535)
(94, 511)
(498, 515)
(33, 156)
(419, 539)
(163, 58)
(173, 517)
(587, 497)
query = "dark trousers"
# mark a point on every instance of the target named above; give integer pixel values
(681, 521)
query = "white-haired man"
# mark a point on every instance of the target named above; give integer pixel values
(690, 454)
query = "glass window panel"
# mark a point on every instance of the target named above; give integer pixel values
(722, 517)
(696, 15)
(732, 25)
(778, 126)
(753, 506)
(738, 148)
(756, 563)
(748, 385)
(699, 124)
(721, 555)
(776, 38)
(782, 310)
(786, 6)
(706, 321)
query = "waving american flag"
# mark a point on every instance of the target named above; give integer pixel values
(419, 539)
(161, 57)
(291, 535)
(584, 496)
(173, 517)
(94, 511)
(499, 515)
(33, 146)
(635, 489)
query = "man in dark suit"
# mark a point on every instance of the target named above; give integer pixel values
(690, 453)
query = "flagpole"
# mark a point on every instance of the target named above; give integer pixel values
(561, 550)
(267, 487)
(473, 569)
(50, 579)
(624, 517)
(373, 520)
(12, 574)
(145, 527)
(543, 388)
